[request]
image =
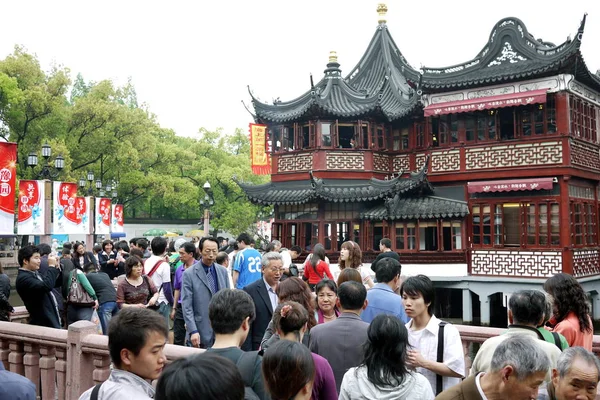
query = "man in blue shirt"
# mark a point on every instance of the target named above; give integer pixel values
(381, 298)
(14, 386)
(247, 267)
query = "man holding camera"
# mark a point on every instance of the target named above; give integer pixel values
(35, 288)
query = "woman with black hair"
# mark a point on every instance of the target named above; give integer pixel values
(327, 311)
(200, 376)
(80, 257)
(316, 269)
(289, 371)
(571, 311)
(383, 373)
(290, 320)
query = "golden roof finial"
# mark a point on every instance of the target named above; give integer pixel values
(333, 57)
(382, 10)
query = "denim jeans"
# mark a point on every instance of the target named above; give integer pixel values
(78, 313)
(105, 312)
(165, 310)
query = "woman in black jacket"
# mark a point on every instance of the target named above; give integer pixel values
(80, 257)
(110, 262)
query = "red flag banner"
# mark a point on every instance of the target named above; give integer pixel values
(8, 180)
(261, 162)
(32, 211)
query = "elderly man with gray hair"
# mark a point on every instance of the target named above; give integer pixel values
(525, 313)
(263, 293)
(575, 377)
(517, 369)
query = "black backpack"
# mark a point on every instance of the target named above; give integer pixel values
(246, 364)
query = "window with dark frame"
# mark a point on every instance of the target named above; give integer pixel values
(584, 229)
(511, 224)
(583, 119)
(423, 236)
(419, 128)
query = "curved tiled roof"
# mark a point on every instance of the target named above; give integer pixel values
(428, 207)
(511, 54)
(336, 190)
(377, 82)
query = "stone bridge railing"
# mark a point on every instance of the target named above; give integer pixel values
(71, 361)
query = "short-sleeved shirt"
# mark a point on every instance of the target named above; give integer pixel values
(427, 345)
(178, 280)
(129, 294)
(161, 275)
(248, 264)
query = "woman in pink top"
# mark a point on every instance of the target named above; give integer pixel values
(571, 311)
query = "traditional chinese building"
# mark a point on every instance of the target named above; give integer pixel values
(486, 169)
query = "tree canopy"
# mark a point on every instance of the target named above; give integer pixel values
(100, 127)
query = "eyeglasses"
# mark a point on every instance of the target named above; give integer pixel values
(280, 270)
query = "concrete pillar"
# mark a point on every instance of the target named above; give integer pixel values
(596, 306)
(467, 306)
(485, 310)
(80, 365)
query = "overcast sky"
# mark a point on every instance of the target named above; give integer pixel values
(191, 61)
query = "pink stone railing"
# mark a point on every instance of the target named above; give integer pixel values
(72, 361)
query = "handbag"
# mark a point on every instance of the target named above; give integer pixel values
(77, 294)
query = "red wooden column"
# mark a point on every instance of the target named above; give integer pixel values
(565, 226)
(563, 125)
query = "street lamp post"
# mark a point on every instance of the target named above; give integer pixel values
(205, 204)
(48, 173)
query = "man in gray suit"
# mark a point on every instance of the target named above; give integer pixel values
(341, 341)
(199, 284)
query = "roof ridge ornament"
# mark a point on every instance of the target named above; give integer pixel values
(382, 11)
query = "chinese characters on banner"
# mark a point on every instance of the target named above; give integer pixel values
(71, 214)
(8, 178)
(117, 218)
(32, 211)
(261, 163)
(103, 214)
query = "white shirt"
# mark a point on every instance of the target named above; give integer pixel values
(453, 357)
(286, 258)
(160, 276)
(272, 295)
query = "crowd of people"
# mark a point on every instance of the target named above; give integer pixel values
(275, 330)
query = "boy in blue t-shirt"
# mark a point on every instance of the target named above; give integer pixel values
(247, 266)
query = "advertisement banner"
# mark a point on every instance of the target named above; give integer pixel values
(117, 225)
(261, 163)
(70, 212)
(103, 214)
(32, 211)
(8, 180)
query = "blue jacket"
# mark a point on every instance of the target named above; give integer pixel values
(14, 386)
(382, 300)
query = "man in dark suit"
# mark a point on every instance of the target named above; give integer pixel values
(200, 283)
(265, 299)
(341, 341)
(36, 289)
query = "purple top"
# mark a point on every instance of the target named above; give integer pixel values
(178, 280)
(324, 386)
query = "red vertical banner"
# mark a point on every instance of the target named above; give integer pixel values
(8, 180)
(261, 163)
(117, 225)
(32, 211)
(103, 214)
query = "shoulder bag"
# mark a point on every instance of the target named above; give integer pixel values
(77, 294)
